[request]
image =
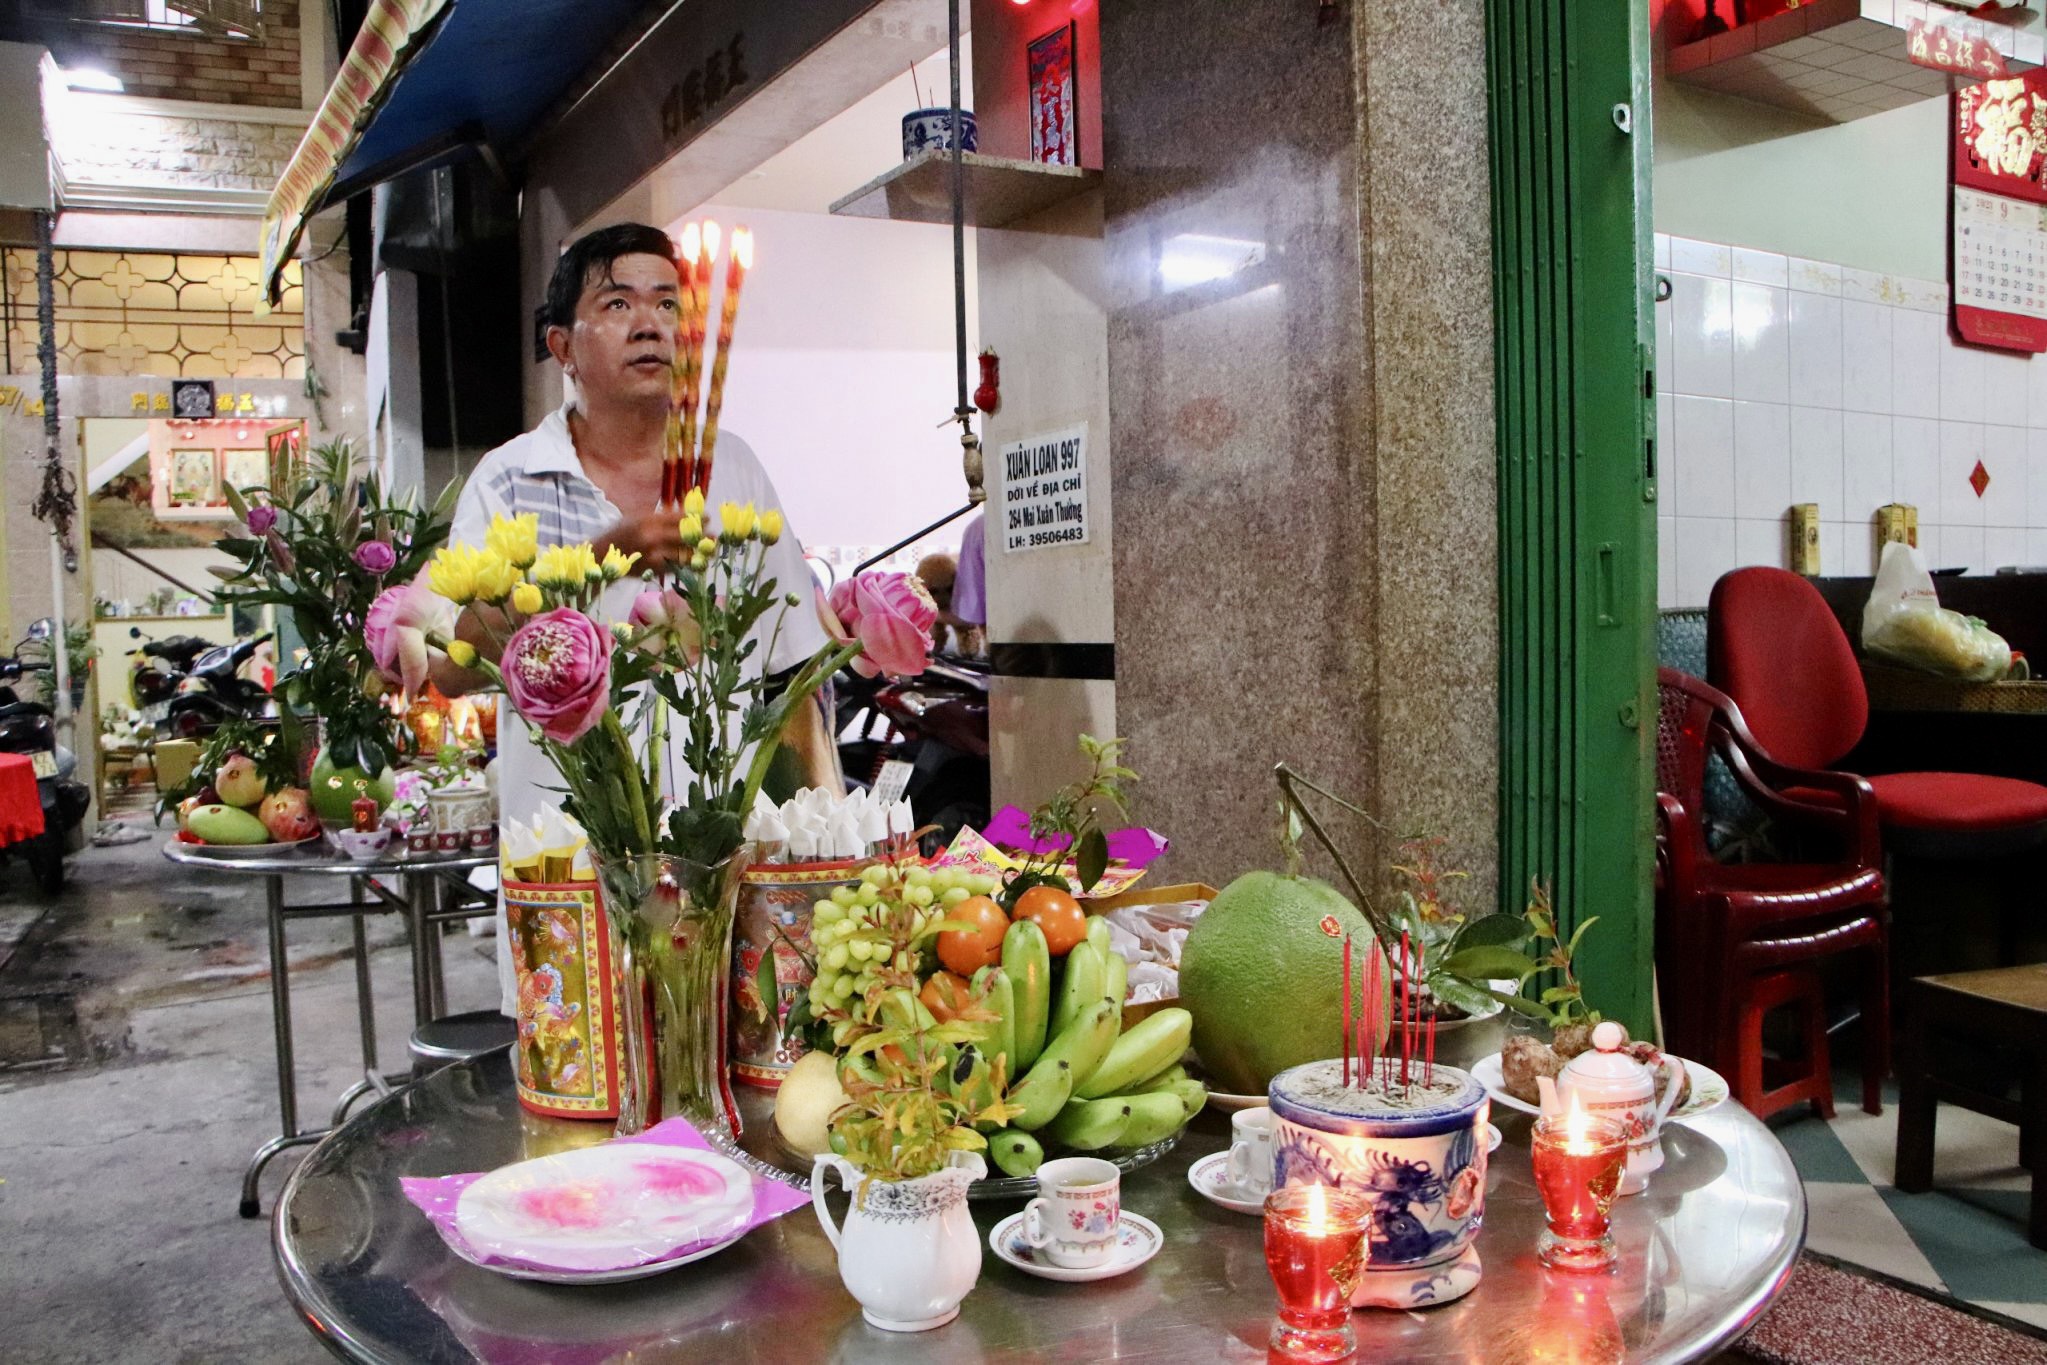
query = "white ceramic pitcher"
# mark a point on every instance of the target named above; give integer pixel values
(1613, 1085)
(908, 1251)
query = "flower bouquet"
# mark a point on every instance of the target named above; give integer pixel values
(328, 548)
(603, 704)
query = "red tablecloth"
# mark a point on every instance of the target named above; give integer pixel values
(21, 807)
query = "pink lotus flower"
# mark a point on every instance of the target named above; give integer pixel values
(396, 629)
(557, 670)
(891, 615)
(261, 518)
(665, 610)
(375, 556)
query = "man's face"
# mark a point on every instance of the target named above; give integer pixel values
(623, 342)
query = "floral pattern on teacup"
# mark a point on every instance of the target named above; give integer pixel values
(1105, 1214)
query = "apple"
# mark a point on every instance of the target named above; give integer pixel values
(238, 781)
(187, 806)
(288, 815)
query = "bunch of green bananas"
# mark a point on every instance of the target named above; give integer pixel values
(1080, 1080)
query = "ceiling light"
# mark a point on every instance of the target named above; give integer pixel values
(86, 78)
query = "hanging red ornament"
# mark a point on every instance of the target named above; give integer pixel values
(988, 398)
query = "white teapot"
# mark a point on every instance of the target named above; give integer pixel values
(1608, 1082)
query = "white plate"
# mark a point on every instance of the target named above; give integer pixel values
(1210, 1178)
(231, 852)
(1138, 1239)
(631, 1272)
(1230, 1104)
(603, 1208)
(1709, 1087)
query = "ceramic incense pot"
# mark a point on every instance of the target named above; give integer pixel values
(1417, 1152)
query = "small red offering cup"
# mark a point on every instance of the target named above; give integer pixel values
(1315, 1249)
(1579, 1160)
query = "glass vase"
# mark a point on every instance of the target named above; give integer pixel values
(671, 940)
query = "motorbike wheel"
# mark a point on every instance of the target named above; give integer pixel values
(45, 855)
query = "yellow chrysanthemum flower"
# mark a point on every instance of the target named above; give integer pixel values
(770, 526)
(495, 577)
(517, 539)
(616, 564)
(693, 502)
(461, 653)
(526, 599)
(707, 547)
(691, 529)
(735, 520)
(564, 566)
(452, 573)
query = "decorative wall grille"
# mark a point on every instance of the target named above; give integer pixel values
(157, 313)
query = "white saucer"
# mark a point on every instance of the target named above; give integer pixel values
(1138, 1239)
(631, 1272)
(1709, 1087)
(1210, 1178)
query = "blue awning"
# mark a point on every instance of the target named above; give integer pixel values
(427, 81)
(488, 74)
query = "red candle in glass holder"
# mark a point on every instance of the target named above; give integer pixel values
(1579, 1160)
(1315, 1249)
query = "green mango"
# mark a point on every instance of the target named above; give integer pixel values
(226, 825)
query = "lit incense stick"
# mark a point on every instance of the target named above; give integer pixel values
(740, 262)
(700, 309)
(679, 369)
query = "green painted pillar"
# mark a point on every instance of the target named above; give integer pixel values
(1569, 115)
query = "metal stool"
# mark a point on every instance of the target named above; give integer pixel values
(459, 1038)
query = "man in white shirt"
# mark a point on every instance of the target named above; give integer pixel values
(591, 471)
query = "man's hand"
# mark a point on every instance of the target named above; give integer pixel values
(654, 536)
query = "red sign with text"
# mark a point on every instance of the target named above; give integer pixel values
(1937, 46)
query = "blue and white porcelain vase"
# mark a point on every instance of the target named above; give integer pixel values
(1418, 1152)
(926, 130)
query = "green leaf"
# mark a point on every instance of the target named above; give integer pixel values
(1579, 933)
(1493, 931)
(1092, 858)
(1486, 964)
(1558, 994)
(764, 982)
(1462, 995)
(1522, 1005)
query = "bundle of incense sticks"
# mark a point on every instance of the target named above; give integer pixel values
(1362, 1063)
(687, 465)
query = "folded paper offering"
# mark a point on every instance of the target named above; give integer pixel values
(658, 1196)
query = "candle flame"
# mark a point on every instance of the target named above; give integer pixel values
(1577, 1126)
(692, 241)
(742, 247)
(1317, 1209)
(711, 231)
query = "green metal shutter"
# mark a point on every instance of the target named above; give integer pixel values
(1577, 474)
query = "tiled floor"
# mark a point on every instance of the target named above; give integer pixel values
(1967, 1237)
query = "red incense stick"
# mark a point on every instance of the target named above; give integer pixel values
(1346, 1011)
(1404, 1001)
(1429, 1065)
(1368, 1027)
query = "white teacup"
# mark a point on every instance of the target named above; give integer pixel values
(1250, 1164)
(1073, 1219)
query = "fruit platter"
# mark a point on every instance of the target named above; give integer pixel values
(240, 813)
(1041, 987)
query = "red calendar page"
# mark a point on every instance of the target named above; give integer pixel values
(1998, 263)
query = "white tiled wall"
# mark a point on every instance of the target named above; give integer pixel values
(1781, 380)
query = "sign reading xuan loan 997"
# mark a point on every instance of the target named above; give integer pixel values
(1044, 490)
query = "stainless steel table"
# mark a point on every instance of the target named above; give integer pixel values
(1703, 1251)
(424, 903)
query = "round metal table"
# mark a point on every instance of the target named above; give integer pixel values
(424, 877)
(1703, 1250)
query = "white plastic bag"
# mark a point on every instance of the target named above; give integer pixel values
(1905, 623)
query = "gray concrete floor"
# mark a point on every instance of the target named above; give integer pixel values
(137, 1077)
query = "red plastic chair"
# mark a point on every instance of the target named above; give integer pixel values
(1732, 939)
(1774, 647)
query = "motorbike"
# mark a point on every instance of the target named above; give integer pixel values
(214, 691)
(156, 667)
(937, 724)
(27, 727)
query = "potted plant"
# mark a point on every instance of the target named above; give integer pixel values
(905, 1143)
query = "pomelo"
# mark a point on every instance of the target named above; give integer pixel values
(806, 1100)
(1262, 974)
(333, 790)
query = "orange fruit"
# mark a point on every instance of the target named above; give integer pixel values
(1058, 914)
(945, 995)
(966, 951)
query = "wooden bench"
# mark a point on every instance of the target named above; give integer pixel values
(2003, 1009)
